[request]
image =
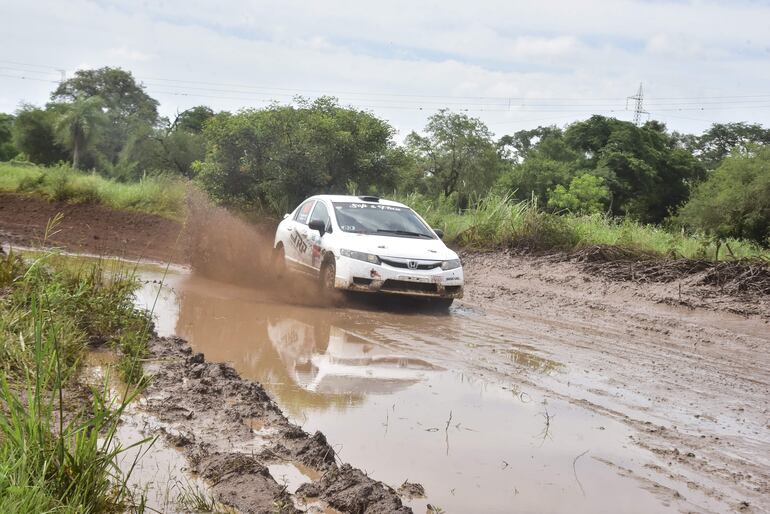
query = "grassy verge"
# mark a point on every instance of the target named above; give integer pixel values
(154, 195)
(502, 222)
(58, 451)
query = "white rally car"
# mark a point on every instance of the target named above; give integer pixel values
(365, 243)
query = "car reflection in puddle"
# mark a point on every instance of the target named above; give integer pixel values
(327, 359)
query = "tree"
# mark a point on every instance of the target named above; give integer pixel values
(7, 150)
(33, 135)
(275, 157)
(78, 124)
(126, 105)
(722, 138)
(458, 153)
(535, 178)
(735, 200)
(517, 147)
(586, 194)
(123, 97)
(193, 119)
(647, 171)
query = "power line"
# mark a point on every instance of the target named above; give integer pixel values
(502, 99)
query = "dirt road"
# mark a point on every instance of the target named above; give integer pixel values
(546, 389)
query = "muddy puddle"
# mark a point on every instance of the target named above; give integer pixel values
(395, 396)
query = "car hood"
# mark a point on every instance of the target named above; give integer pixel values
(404, 247)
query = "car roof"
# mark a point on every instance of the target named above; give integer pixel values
(357, 199)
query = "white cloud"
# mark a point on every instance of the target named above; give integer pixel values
(423, 52)
(126, 54)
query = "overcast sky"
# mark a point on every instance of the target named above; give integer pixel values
(514, 64)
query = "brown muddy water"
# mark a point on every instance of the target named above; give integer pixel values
(401, 395)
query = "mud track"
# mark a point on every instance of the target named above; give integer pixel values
(89, 228)
(231, 431)
(682, 363)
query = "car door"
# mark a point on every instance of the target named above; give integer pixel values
(297, 247)
(314, 238)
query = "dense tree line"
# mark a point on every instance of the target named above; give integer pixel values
(271, 158)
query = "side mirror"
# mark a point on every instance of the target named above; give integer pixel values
(318, 225)
(439, 233)
(286, 216)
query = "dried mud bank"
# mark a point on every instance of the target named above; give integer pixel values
(738, 287)
(231, 432)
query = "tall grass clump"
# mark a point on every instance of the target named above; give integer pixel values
(499, 221)
(58, 450)
(160, 195)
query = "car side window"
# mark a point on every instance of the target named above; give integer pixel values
(322, 213)
(303, 212)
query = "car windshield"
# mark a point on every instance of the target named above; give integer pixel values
(376, 218)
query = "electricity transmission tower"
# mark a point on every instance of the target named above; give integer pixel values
(638, 107)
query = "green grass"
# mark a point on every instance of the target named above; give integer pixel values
(162, 196)
(499, 221)
(58, 451)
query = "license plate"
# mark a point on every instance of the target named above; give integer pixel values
(413, 279)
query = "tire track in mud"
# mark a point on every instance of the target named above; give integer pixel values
(230, 431)
(664, 373)
(682, 371)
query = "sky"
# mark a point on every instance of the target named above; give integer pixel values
(514, 64)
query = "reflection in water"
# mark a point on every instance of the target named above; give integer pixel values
(384, 390)
(298, 353)
(327, 359)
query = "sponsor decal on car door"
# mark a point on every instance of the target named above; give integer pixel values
(298, 246)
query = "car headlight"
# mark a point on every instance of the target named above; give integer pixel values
(360, 256)
(451, 264)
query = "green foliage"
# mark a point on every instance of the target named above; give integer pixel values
(456, 154)
(127, 108)
(735, 200)
(78, 124)
(535, 178)
(7, 150)
(586, 194)
(647, 173)
(34, 135)
(501, 221)
(161, 195)
(714, 145)
(193, 120)
(275, 157)
(55, 457)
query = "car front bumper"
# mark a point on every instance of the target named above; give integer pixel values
(355, 275)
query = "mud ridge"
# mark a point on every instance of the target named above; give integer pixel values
(231, 431)
(736, 277)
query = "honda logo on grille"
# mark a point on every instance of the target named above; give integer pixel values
(412, 264)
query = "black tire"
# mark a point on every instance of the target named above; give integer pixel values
(329, 294)
(327, 276)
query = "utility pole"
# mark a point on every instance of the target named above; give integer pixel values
(639, 106)
(63, 74)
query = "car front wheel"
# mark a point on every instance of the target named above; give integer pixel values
(328, 275)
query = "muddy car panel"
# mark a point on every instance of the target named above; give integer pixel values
(394, 276)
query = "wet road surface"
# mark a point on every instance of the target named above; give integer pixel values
(449, 401)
